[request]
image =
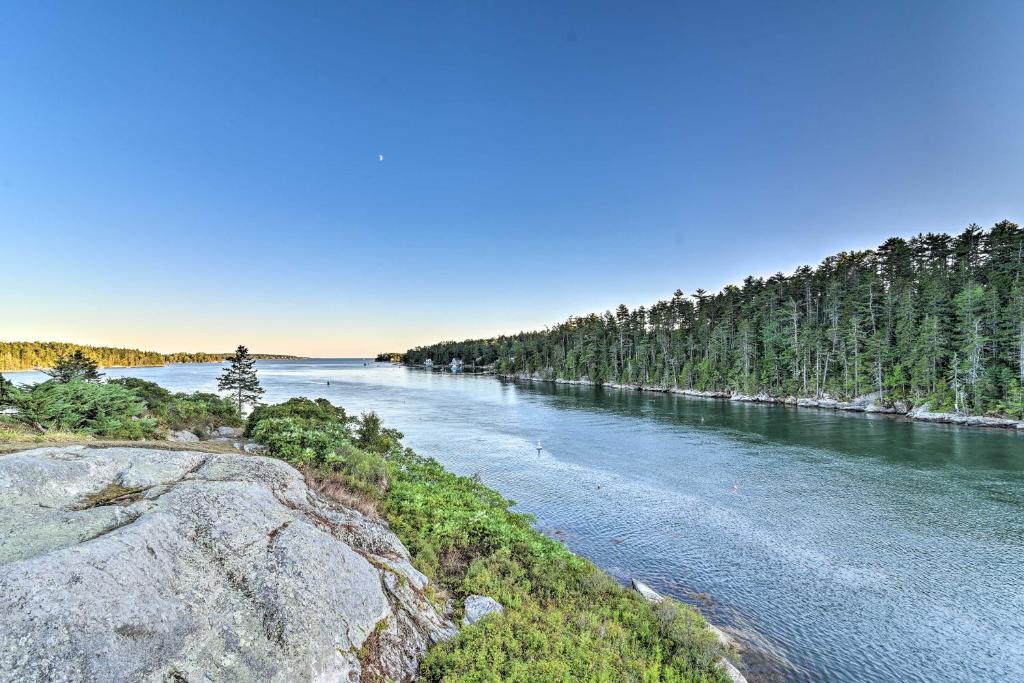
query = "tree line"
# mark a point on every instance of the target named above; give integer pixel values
(36, 355)
(935, 319)
(76, 399)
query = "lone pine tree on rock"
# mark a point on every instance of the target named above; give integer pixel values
(240, 378)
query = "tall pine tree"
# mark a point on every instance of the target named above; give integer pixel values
(240, 378)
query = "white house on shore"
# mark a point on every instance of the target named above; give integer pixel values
(428, 364)
(456, 365)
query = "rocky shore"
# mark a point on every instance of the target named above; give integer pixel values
(129, 564)
(869, 403)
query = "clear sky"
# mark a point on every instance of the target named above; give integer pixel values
(194, 175)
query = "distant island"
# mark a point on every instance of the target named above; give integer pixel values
(38, 355)
(934, 322)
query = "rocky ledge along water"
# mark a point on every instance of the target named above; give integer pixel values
(868, 403)
(129, 564)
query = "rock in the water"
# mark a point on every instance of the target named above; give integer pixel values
(479, 606)
(648, 593)
(128, 564)
(182, 435)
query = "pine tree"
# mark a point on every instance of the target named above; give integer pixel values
(6, 391)
(76, 366)
(240, 378)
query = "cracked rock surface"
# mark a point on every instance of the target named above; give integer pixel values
(130, 564)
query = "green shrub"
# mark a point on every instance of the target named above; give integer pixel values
(108, 410)
(317, 412)
(374, 437)
(297, 441)
(198, 412)
(201, 412)
(157, 398)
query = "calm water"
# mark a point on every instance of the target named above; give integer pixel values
(850, 547)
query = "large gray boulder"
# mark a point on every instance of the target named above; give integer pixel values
(182, 435)
(477, 607)
(126, 564)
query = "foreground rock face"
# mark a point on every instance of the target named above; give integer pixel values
(126, 564)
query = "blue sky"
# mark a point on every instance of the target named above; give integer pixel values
(193, 175)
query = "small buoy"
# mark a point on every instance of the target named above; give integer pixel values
(539, 448)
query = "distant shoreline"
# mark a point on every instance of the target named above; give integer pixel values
(257, 356)
(864, 404)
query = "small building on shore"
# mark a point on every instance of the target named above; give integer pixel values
(456, 365)
(428, 364)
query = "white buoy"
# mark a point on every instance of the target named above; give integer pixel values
(539, 448)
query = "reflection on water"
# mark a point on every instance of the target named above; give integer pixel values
(857, 547)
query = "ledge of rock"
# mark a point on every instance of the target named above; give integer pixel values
(128, 564)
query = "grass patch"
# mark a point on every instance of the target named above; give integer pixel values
(16, 434)
(111, 494)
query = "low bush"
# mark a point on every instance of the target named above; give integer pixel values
(201, 413)
(108, 410)
(294, 440)
(314, 413)
(198, 412)
(155, 396)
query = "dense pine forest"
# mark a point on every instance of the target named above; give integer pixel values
(936, 319)
(30, 355)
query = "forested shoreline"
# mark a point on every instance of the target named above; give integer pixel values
(16, 356)
(934, 320)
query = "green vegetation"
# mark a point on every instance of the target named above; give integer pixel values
(390, 357)
(936, 319)
(565, 620)
(240, 379)
(198, 412)
(126, 408)
(32, 355)
(12, 432)
(96, 409)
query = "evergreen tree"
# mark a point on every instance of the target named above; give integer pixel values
(6, 391)
(240, 379)
(75, 366)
